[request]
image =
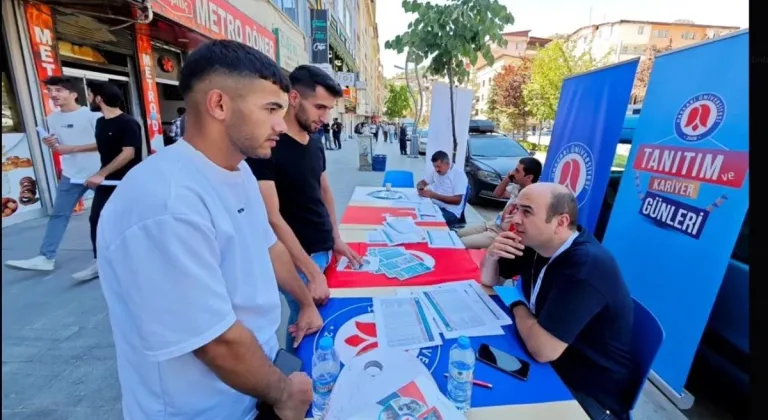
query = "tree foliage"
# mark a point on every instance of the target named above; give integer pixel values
(506, 101)
(450, 37)
(398, 102)
(644, 68)
(549, 67)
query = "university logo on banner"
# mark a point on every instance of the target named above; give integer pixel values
(574, 168)
(354, 333)
(700, 117)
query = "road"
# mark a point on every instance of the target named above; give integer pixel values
(57, 349)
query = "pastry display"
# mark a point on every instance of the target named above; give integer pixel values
(9, 206)
(24, 163)
(28, 194)
(8, 166)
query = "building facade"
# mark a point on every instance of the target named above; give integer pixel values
(625, 39)
(519, 45)
(139, 46)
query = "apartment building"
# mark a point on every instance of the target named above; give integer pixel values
(519, 44)
(370, 77)
(625, 39)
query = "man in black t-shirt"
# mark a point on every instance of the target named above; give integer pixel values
(296, 189)
(118, 141)
(327, 136)
(573, 308)
(336, 128)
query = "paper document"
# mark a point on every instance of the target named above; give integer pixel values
(406, 204)
(403, 323)
(375, 237)
(401, 224)
(393, 237)
(452, 309)
(444, 239)
(107, 182)
(369, 264)
(493, 312)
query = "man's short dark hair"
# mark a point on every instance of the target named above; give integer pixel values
(64, 82)
(440, 156)
(531, 166)
(563, 202)
(181, 111)
(109, 93)
(306, 78)
(230, 58)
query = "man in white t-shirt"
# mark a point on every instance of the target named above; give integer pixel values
(191, 275)
(446, 186)
(72, 130)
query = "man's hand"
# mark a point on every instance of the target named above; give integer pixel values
(421, 184)
(341, 248)
(318, 288)
(63, 149)
(426, 193)
(94, 181)
(309, 322)
(296, 397)
(50, 141)
(506, 245)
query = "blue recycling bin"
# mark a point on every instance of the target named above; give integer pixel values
(379, 163)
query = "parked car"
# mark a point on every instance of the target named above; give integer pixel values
(490, 156)
(720, 367)
(423, 135)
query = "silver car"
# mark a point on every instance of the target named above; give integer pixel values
(423, 135)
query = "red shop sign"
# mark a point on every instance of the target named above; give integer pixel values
(218, 19)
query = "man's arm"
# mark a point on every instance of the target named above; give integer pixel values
(327, 196)
(570, 306)
(447, 199)
(287, 278)
(501, 190)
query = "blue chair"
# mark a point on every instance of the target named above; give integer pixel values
(647, 336)
(462, 217)
(398, 179)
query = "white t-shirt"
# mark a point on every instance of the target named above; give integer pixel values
(184, 252)
(454, 182)
(514, 191)
(76, 128)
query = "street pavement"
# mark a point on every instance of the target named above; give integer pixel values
(57, 349)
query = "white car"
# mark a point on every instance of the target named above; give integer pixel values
(423, 135)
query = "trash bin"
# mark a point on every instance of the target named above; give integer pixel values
(379, 163)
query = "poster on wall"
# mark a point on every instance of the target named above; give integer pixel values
(685, 193)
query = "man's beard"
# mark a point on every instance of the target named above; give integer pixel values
(303, 121)
(95, 107)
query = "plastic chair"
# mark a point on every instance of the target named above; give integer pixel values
(462, 223)
(398, 179)
(647, 336)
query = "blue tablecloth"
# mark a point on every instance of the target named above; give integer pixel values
(350, 322)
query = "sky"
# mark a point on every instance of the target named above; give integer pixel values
(570, 15)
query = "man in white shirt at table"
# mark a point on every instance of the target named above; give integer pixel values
(446, 186)
(191, 273)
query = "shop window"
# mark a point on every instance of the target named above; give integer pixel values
(290, 8)
(11, 118)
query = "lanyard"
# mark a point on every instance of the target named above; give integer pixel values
(535, 288)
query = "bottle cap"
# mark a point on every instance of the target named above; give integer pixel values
(326, 343)
(464, 342)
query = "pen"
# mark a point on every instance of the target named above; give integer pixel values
(478, 383)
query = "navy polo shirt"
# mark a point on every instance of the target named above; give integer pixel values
(584, 302)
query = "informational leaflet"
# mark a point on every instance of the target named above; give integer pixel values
(494, 312)
(403, 323)
(444, 239)
(452, 310)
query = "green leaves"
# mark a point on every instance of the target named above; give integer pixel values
(398, 102)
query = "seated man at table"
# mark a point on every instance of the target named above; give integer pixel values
(573, 308)
(481, 236)
(447, 187)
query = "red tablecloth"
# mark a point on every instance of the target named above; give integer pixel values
(363, 215)
(449, 265)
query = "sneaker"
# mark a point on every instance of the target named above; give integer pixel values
(38, 263)
(91, 272)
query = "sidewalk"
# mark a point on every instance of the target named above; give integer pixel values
(57, 348)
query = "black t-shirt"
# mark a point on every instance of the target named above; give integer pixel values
(336, 127)
(295, 169)
(112, 134)
(584, 302)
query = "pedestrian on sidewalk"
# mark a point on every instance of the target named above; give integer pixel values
(72, 135)
(300, 203)
(327, 136)
(336, 127)
(118, 139)
(403, 140)
(191, 269)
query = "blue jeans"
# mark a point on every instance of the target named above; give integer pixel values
(322, 259)
(67, 196)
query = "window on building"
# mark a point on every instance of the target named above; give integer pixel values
(640, 30)
(290, 8)
(11, 118)
(660, 33)
(688, 35)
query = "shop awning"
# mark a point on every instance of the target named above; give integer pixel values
(340, 48)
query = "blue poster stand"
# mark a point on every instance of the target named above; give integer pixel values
(684, 195)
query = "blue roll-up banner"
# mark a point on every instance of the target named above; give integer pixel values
(684, 194)
(589, 118)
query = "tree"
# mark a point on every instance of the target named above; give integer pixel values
(551, 65)
(398, 103)
(450, 37)
(644, 68)
(506, 99)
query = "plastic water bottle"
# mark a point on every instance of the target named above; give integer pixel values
(325, 371)
(461, 368)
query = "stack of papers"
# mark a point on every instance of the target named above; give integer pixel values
(444, 239)
(455, 309)
(397, 231)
